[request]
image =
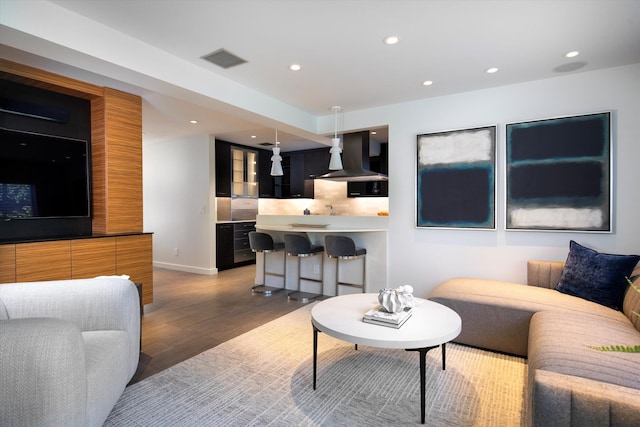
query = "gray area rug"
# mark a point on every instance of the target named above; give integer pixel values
(264, 377)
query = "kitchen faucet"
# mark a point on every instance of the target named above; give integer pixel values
(331, 212)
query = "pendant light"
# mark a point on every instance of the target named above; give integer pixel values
(336, 162)
(276, 159)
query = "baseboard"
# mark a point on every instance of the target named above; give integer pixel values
(186, 268)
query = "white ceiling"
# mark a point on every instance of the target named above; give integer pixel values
(339, 44)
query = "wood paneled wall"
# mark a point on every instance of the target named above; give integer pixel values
(123, 116)
(116, 133)
(116, 160)
(45, 80)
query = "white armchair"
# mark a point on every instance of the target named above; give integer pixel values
(67, 350)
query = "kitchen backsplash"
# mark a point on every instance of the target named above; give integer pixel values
(326, 193)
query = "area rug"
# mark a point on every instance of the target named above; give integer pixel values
(264, 377)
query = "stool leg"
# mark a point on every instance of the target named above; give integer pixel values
(364, 273)
(284, 271)
(337, 276)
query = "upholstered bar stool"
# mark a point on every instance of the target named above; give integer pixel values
(263, 243)
(300, 246)
(343, 248)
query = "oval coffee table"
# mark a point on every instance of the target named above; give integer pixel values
(431, 325)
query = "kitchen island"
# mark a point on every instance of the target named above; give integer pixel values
(369, 232)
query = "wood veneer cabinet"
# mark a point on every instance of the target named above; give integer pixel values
(81, 259)
(43, 261)
(134, 257)
(7, 263)
(93, 257)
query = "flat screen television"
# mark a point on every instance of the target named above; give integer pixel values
(43, 177)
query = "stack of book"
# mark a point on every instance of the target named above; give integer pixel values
(378, 316)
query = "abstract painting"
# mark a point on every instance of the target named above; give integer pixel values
(558, 174)
(455, 185)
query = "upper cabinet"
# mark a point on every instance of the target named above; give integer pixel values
(223, 169)
(316, 162)
(244, 174)
(236, 171)
(265, 180)
(299, 167)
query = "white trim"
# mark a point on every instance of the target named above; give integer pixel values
(186, 268)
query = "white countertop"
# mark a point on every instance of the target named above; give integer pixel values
(333, 223)
(314, 229)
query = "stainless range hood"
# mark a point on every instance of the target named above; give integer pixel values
(355, 160)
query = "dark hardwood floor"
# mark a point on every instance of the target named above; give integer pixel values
(192, 313)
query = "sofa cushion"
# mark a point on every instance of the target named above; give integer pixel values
(561, 341)
(595, 276)
(631, 303)
(107, 372)
(567, 400)
(508, 308)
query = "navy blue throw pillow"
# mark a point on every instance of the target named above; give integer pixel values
(595, 276)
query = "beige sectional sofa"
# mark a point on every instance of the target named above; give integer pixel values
(569, 383)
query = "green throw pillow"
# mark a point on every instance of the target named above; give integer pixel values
(596, 276)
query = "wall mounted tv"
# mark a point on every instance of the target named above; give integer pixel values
(44, 185)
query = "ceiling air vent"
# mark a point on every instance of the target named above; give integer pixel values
(223, 58)
(266, 144)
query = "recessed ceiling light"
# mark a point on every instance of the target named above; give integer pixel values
(492, 70)
(427, 83)
(193, 122)
(253, 137)
(572, 54)
(295, 67)
(373, 132)
(390, 40)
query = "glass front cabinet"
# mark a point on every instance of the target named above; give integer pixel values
(244, 174)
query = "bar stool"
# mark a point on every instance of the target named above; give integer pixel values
(263, 243)
(344, 248)
(300, 246)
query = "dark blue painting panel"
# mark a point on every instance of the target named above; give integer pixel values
(456, 179)
(445, 207)
(558, 174)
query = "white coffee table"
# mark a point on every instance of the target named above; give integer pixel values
(431, 325)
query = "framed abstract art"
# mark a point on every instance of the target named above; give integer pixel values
(455, 179)
(558, 174)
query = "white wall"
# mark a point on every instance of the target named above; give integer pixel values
(426, 257)
(177, 187)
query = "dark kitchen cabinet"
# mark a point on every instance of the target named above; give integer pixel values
(316, 162)
(265, 182)
(223, 169)
(293, 184)
(299, 167)
(236, 170)
(232, 245)
(224, 246)
(242, 253)
(296, 175)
